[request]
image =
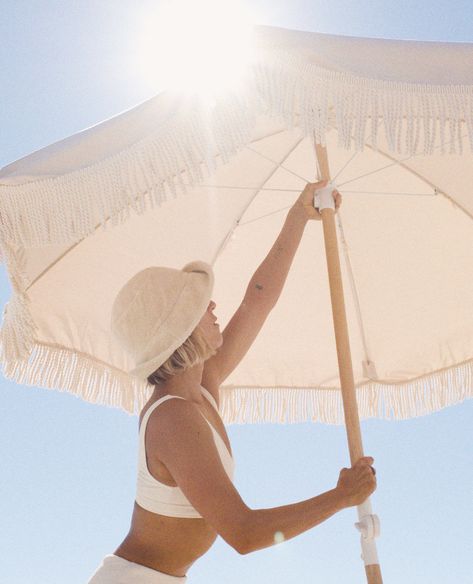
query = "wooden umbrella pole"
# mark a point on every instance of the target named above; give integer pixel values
(350, 407)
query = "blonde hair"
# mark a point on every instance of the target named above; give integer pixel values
(193, 351)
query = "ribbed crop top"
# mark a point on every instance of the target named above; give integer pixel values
(164, 499)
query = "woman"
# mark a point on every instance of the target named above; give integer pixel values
(185, 496)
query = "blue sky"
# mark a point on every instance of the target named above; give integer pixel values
(68, 467)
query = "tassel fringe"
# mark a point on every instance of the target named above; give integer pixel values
(65, 370)
(17, 332)
(18, 327)
(414, 118)
(54, 367)
(396, 401)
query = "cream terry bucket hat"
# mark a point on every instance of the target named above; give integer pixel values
(157, 310)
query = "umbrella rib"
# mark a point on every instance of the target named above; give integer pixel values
(435, 188)
(418, 175)
(369, 173)
(260, 190)
(266, 215)
(353, 287)
(275, 133)
(351, 180)
(41, 274)
(349, 161)
(236, 223)
(391, 193)
(280, 164)
(249, 188)
(242, 188)
(343, 167)
(388, 165)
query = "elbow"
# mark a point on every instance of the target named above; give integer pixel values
(243, 546)
(240, 537)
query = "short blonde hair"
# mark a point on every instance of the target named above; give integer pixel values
(193, 351)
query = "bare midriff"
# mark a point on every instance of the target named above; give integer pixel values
(167, 544)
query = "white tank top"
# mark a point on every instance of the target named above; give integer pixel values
(168, 500)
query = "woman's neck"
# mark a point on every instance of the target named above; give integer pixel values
(186, 384)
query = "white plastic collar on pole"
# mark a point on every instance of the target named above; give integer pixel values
(370, 528)
(323, 198)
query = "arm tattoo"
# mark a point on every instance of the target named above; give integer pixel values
(258, 286)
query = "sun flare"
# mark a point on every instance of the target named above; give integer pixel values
(193, 46)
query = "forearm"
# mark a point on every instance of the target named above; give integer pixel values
(268, 280)
(265, 527)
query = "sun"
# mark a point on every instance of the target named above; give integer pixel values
(196, 46)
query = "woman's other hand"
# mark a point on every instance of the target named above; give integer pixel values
(306, 199)
(356, 484)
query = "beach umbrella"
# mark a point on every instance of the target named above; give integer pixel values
(190, 176)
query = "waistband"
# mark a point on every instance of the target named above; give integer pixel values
(120, 570)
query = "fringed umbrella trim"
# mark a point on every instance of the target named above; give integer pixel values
(388, 401)
(197, 139)
(55, 367)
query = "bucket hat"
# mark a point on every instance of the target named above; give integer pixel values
(157, 310)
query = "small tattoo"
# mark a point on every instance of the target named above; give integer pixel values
(259, 286)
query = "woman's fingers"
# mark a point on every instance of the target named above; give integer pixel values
(318, 185)
(367, 463)
(365, 460)
(307, 198)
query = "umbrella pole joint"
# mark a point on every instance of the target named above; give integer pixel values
(370, 528)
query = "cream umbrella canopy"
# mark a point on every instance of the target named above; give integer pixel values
(181, 178)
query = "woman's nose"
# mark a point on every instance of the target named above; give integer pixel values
(212, 305)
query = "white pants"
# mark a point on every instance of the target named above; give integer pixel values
(117, 570)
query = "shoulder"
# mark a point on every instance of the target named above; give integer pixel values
(172, 413)
(182, 439)
(175, 424)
